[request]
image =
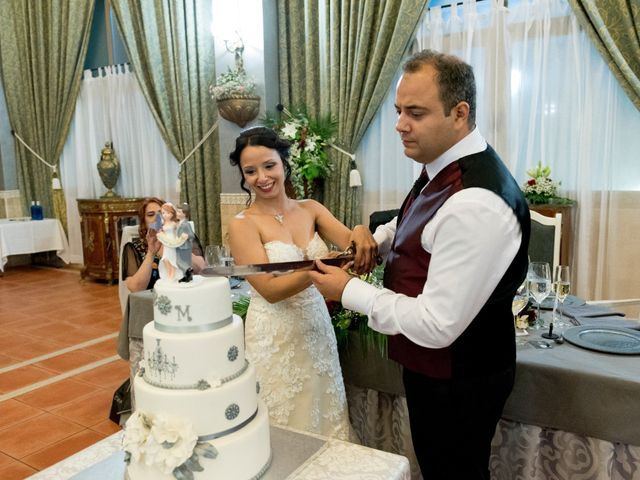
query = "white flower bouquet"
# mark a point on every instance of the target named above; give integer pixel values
(540, 188)
(235, 83)
(310, 139)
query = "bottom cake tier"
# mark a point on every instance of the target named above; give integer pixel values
(242, 455)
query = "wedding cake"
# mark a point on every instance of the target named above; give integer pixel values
(197, 409)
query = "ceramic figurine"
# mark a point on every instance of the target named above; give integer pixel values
(171, 241)
(183, 252)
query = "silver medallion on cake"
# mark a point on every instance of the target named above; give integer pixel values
(163, 303)
(232, 354)
(232, 411)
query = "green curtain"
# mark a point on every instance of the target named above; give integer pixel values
(364, 42)
(42, 50)
(170, 46)
(614, 29)
(299, 54)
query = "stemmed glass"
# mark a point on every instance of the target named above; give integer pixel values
(539, 278)
(561, 285)
(520, 300)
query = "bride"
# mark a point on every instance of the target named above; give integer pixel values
(288, 333)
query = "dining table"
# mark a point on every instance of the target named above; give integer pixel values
(19, 236)
(573, 412)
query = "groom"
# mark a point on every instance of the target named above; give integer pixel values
(456, 254)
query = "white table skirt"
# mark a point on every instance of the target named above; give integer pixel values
(303, 456)
(19, 237)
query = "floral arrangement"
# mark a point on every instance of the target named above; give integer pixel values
(232, 84)
(344, 320)
(169, 444)
(540, 188)
(309, 139)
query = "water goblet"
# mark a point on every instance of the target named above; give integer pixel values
(539, 278)
(210, 255)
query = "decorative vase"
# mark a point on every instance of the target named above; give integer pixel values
(239, 110)
(109, 169)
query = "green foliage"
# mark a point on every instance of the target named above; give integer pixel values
(241, 306)
(344, 320)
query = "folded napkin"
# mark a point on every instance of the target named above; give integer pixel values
(588, 311)
(597, 316)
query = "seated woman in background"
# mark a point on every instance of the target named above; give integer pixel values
(141, 256)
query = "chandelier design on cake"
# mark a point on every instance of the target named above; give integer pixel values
(159, 363)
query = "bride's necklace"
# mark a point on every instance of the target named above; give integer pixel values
(279, 217)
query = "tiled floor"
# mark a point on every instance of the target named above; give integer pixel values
(58, 369)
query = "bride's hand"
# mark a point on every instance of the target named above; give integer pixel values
(366, 249)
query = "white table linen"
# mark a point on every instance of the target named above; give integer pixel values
(18, 237)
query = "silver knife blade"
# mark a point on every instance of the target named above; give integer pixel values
(277, 267)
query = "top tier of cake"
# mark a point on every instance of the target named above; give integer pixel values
(201, 305)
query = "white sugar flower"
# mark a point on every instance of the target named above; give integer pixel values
(170, 444)
(136, 433)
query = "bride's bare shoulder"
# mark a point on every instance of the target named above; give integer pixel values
(309, 204)
(242, 221)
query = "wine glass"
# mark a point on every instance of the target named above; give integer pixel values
(520, 300)
(539, 278)
(561, 284)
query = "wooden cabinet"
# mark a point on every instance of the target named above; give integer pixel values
(102, 222)
(566, 239)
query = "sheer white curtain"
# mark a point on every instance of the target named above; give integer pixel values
(111, 107)
(544, 93)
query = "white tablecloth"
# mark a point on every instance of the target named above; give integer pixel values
(302, 456)
(19, 237)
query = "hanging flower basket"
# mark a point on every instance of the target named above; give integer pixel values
(235, 92)
(239, 109)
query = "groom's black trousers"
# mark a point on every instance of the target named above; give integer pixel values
(453, 422)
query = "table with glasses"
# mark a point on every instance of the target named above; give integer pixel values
(25, 236)
(296, 456)
(572, 411)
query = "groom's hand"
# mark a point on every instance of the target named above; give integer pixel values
(330, 280)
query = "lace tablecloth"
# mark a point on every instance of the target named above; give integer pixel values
(296, 456)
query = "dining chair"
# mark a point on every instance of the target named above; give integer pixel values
(544, 243)
(380, 218)
(128, 233)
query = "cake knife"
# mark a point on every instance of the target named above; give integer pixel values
(276, 267)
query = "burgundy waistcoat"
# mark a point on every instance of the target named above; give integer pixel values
(487, 345)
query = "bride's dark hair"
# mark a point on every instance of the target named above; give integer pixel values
(262, 137)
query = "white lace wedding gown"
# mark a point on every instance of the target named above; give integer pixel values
(293, 347)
